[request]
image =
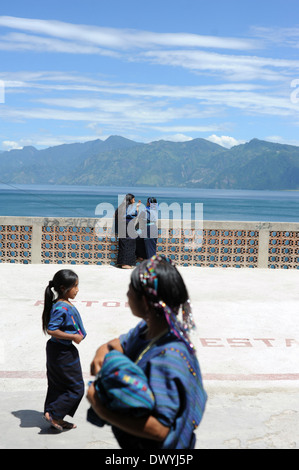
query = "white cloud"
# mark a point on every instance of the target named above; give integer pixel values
(131, 113)
(225, 140)
(60, 37)
(177, 138)
(10, 145)
(84, 98)
(179, 129)
(232, 67)
(26, 42)
(113, 38)
(282, 140)
(73, 82)
(41, 140)
(284, 37)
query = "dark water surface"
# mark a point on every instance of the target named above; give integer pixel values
(81, 201)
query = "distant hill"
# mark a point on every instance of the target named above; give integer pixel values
(117, 161)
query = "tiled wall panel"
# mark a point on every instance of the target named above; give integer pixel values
(216, 244)
(283, 249)
(15, 243)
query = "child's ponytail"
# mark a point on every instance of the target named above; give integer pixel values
(63, 280)
(48, 303)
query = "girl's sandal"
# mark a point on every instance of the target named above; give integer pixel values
(49, 419)
(57, 426)
(67, 426)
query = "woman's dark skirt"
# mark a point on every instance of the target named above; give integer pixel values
(65, 380)
(126, 251)
(146, 247)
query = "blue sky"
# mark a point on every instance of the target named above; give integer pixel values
(74, 71)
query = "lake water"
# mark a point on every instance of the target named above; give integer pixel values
(81, 201)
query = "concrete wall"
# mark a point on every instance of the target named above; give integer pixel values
(40, 240)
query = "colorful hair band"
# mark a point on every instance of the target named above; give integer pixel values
(149, 281)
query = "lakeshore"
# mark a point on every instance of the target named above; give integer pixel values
(82, 201)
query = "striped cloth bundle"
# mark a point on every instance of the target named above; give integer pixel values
(122, 386)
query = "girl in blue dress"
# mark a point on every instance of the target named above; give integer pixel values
(160, 345)
(62, 321)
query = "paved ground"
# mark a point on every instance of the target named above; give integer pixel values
(247, 340)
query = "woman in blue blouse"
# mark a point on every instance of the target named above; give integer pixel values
(161, 347)
(146, 243)
(62, 321)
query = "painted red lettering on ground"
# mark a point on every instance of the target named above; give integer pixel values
(289, 342)
(239, 342)
(211, 342)
(266, 341)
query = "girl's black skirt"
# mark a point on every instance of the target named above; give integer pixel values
(65, 380)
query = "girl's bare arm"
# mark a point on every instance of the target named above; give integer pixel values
(58, 334)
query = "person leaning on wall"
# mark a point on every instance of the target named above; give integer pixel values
(124, 220)
(146, 243)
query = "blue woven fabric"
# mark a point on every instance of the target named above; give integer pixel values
(122, 386)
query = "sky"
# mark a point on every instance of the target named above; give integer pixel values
(75, 71)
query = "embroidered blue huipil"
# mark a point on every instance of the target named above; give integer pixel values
(175, 379)
(65, 317)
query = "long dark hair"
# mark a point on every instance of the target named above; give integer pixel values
(120, 212)
(151, 200)
(126, 202)
(62, 281)
(171, 286)
(165, 291)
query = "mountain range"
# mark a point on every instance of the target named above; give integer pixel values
(118, 161)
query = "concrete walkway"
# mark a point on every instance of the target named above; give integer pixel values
(247, 340)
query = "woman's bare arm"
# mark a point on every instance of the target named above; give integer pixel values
(148, 428)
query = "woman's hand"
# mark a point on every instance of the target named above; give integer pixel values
(92, 396)
(137, 206)
(98, 360)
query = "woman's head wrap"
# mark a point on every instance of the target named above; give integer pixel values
(149, 281)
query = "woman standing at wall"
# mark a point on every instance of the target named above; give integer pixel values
(146, 243)
(124, 218)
